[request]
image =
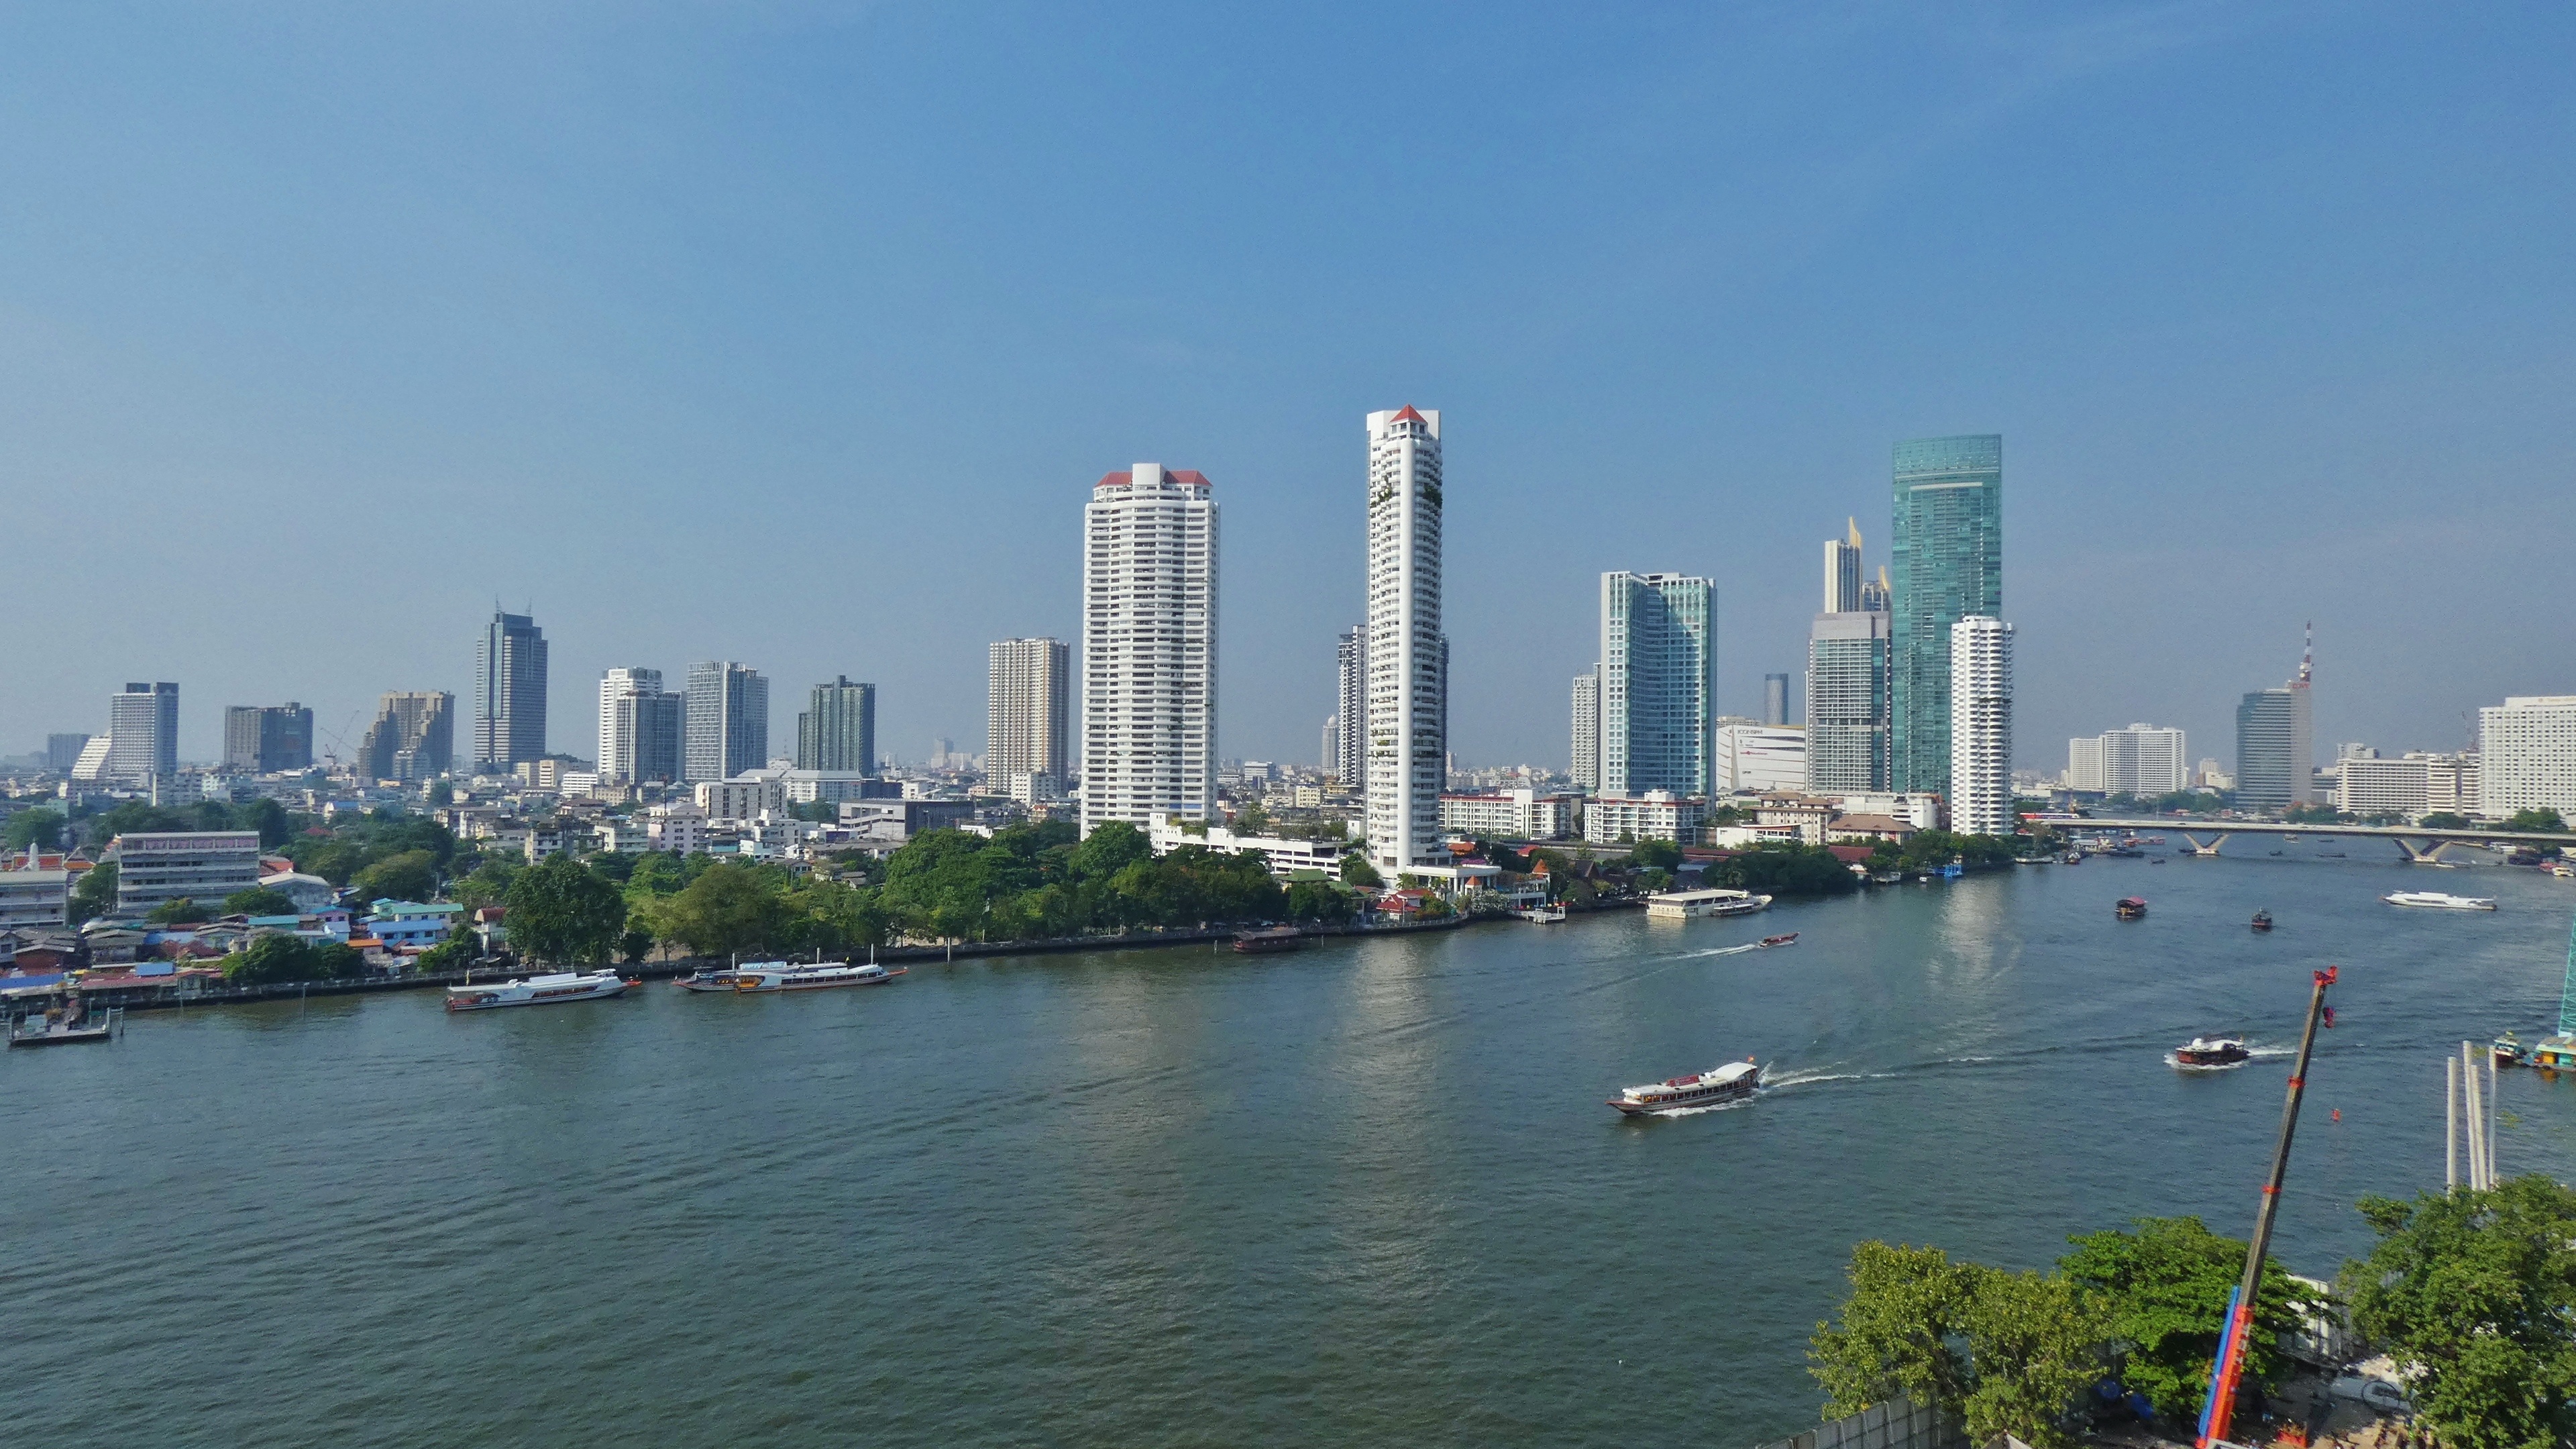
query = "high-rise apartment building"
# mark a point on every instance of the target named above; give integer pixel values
(838, 729)
(2527, 755)
(413, 737)
(142, 733)
(1775, 699)
(1408, 680)
(1658, 684)
(509, 693)
(267, 738)
(1843, 572)
(1149, 677)
(2143, 760)
(1028, 710)
(1847, 701)
(1981, 726)
(728, 721)
(1947, 553)
(641, 729)
(1350, 708)
(1587, 729)
(64, 751)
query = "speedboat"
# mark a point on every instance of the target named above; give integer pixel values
(1790, 939)
(2211, 1051)
(2262, 920)
(553, 990)
(1729, 1083)
(2437, 901)
(2129, 908)
(810, 975)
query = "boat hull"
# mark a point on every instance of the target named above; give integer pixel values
(831, 983)
(1736, 1092)
(494, 998)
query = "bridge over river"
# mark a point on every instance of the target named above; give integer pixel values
(2419, 844)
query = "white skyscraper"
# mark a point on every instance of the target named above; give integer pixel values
(617, 735)
(1587, 729)
(142, 732)
(2142, 760)
(1981, 702)
(2526, 755)
(1149, 541)
(1408, 684)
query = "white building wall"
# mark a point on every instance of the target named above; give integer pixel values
(1407, 745)
(1981, 701)
(2527, 755)
(1149, 679)
(1761, 758)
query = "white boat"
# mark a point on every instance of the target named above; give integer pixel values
(809, 975)
(1731, 1082)
(1683, 905)
(2438, 901)
(1543, 915)
(551, 990)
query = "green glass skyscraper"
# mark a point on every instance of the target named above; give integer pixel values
(1946, 563)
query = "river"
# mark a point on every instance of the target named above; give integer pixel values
(1366, 1193)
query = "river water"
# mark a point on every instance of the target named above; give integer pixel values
(1368, 1193)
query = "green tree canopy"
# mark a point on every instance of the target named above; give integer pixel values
(562, 914)
(181, 912)
(41, 828)
(1785, 868)
(2477, 1290)
(95, 894)
(730, 908)
(279, 957)
(2538, 819)
(259, 901)
(1357, 871)
(1658, 854)
(2165, 1288)
(410, 875)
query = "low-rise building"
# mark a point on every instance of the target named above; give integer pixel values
(1867, 829)
(1808, 818)
(412, 924)
(676, 826)
(310, 893)
(198, 865)
(35, 894)
(1522, 814)
(627, 837)
(900, 820)
(1920, 809)
(1654, 815)
(1285, 856)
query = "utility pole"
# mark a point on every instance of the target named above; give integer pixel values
(2220, 1412)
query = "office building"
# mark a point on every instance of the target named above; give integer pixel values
(1407, 744)
(641, 728)
(1350, 708)
(64, 751)
(1947, 555)
(838, 728)
(1847, 701)
(202, 866)
(1028, 709)
(1842, 572)
(1775, 699)
(142, 733)
(728, 721)
(1149, 663)
(2527, 756)
(2418, 783)
(268, 739)
(1522, 814)
(1658, 683)
(509, 693)
(2276, 743)
(2143, 760)
(1586, 768)
(1981, 726)
(413, 737)
(1760, 758)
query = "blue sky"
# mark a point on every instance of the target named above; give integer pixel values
(795, 334)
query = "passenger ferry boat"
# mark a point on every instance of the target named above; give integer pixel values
(551, 990)
(809, 975)
(2262, 920)
(1276, 938)
(1731, 1082)
(2211, 1051)
(2129, 908)
(724, 980)
(1682, 905)
(2437, 901)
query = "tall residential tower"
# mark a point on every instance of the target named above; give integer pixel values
(413, 737)
(1658, 678)
(838, 728)
(1149, 545)
(1028, 710)
(728, 721)
(509, 693)
(640, 728)
(1948, 555)
(1408, 683)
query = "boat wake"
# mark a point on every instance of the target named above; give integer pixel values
(1810, 1079)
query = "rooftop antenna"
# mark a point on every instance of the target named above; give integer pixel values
(2308, 656)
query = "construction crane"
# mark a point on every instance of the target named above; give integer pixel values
(2218, 1414)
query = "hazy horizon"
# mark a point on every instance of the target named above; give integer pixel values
(796, 334)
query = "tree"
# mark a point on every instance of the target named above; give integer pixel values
(1112, 846)
(2165, 1289)
(1357, 871)
(560, 912)
(2548, 820)
(411, 875)
(728, 909)
(1658, 854)
(95, 896)
(259, 901)
(488, 884)
(42, 829)
(280, 957)
(2029, 1342)
(269, 819)
(2444, 820)
(2477, 1292)
(1315, 900)
(180, 912)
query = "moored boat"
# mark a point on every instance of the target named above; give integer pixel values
(810, 975)
(1731, 1082)
(1548, 915)
(2262, 920)
(2211, 1051)
(66, 1024)
(1276, 938)
(1683, 905)
(2129, 908)
(2508, 1051)
(2437, 901)
(725, 980)
(1790, 939)
(552, 990)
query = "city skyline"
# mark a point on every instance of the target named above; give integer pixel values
(2019, 265)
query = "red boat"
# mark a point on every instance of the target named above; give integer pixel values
(1790, 939)
(2129, 908)
(2211, 1051)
